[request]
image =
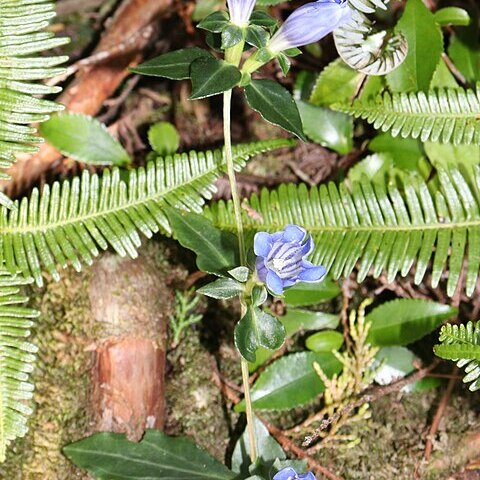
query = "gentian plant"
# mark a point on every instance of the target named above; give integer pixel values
(281, 257)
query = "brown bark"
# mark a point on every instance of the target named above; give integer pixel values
(128, 32)
(128, 300)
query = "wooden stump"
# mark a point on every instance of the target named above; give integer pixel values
(128, 300)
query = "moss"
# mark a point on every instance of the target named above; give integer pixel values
(61, 382)
(195, 406)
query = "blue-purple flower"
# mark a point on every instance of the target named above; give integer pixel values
(281, 258)
(240, 11)
(290, 474)
(310, 23)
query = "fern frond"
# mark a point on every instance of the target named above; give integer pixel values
(16, 359)
(444, 115)
(386, 228)
(69, 222)
(372, 53)
(461, 343)
(22, 39)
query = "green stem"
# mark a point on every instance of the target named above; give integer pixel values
(249, 411)
(233, 56)
(227, 100)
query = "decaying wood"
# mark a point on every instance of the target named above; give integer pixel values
(131, 28)
(129, 304)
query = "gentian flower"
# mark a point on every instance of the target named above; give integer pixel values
(281, 258)
(310, 23)
(290, 474)
(240, 11)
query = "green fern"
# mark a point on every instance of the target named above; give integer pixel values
(369, 52)
(16, 359)
(385, 228)
(461, 343)
(70, 222)
(445, 115)
(22, 25)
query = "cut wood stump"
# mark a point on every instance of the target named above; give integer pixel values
(129, 302)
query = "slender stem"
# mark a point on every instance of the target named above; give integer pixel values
(227, 101)
(249, 411)
(233, 55)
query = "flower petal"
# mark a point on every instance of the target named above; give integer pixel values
(307, 249)
(293, 233)
(309, 23)
(307, 476)
(262, 244)
(311, 273)
(240, 11)
(286, 474)
(274, 283)
(261, 269)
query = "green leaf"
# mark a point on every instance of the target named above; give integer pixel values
(326, 127)
(262, 19)
(375, 167)
(402, 321)
(231, 36)
(405, 152)
(110, 456)
(26, 35)
(397, 362)
(461, 343)
(215, 22)
(464, 51)
(452, 16)
(174, 65)
(296, 320)
(240, 273)
(94, 212)
(268, 450)
(211, 76)
(258, 329)
(445, 115)
(425, 47)
(17, 359)
(284, 63)
(256, 36)
(387, 227)
(337, 83)
(291, 381)
(85, 139)
(259, 295)
(275, 104)
(324, 341)
(217, 251)
(222, 289)
(303, 293)
(164, 138)
(465, 157)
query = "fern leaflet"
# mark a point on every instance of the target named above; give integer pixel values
(384, 227)
(69, 222)
(16, 359)
(445, 115)
(461, 343)
(22, 25)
